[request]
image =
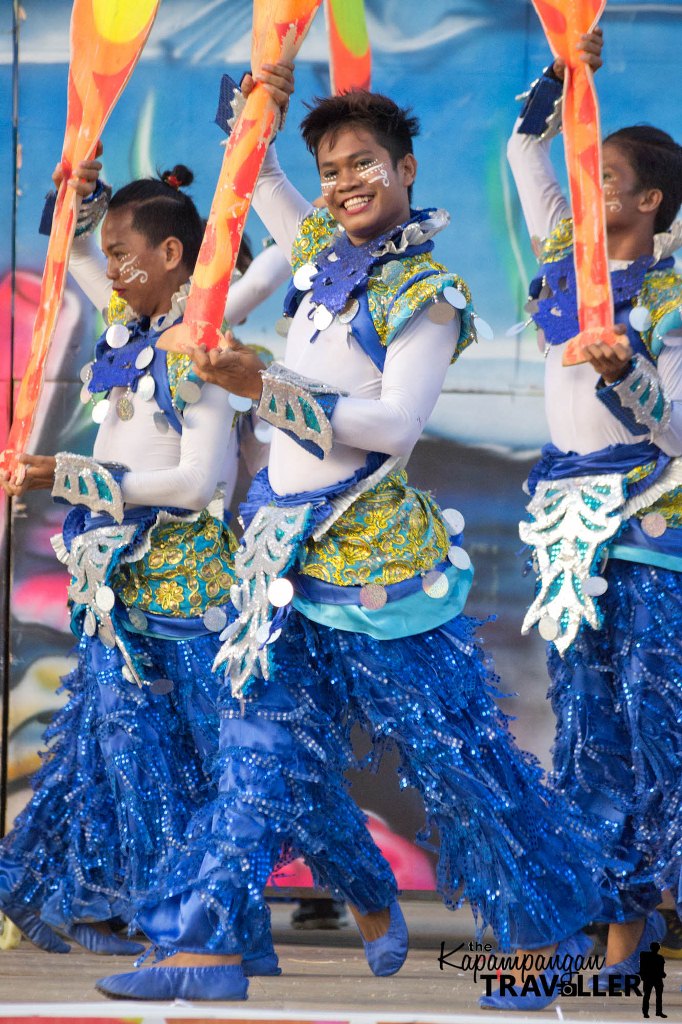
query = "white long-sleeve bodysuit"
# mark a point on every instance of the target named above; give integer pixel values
(577, 420)
(385, 412)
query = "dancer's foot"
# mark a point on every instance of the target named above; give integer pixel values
(548, 983)
(385, 938)
(631, 941)
(97, 937)
(199, 960)
(35, 930)
(192, 983)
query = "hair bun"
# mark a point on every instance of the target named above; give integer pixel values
(179, 177)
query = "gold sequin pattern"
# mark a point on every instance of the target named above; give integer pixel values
(390, 534)
(178, 366)
(188, 568)
(315, 233)
(661, 294)
(558, 243)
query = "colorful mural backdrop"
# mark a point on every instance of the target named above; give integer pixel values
(459, 64)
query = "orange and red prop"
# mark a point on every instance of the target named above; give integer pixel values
(564, 21)
(350, 57)
(107, 38)
(279, 28)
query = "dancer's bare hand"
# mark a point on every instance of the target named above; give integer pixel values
(610, 361)
(590, 46)
(235, 368)
(277, 79)
(34, 473)
(85, 176)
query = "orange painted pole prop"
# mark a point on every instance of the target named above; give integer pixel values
(564, 21)
(107, 38)
(279, 28)
(350, 57)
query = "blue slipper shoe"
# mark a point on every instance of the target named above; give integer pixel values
(104, 945)
(575, 945)
(386, 955)
(654, 930)
(261, 965)
(192, 983)
(35, 930)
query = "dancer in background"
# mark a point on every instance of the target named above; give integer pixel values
(375, 631)
(606, 498)
(151, 563)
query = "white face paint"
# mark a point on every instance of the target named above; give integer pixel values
(375, 172)
(327, 186)
(130, 270)
(611, 199)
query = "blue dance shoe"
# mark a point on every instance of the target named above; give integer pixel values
(101, 943)
(654, 930)
(386, 955)
(575, 945)
(35, 930)
(192, 983)
(262, 963)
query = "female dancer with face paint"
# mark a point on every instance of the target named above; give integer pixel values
(615, 650)
(151, 563)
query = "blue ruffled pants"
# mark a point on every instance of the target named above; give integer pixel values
(617, 697)
(512, 849)
(122, 775)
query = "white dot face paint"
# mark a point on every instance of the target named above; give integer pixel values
(376, 171)
(327, 185)
(130, 270)
(612, 199)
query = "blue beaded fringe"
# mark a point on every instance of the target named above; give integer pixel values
(617, 696)
(514, 850)
(119, 782)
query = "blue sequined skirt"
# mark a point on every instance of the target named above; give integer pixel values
(122, 774)
(512, 849)
(617, 697)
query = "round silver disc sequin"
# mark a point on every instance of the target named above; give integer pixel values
(146, 387)
(90, 623)
(349, 311)
(144, 358)
(124, 408)
(454, 520)
(435, 584)
(282, 326)
(654, 524)
(640, 318)
(189, 391)
(595, 586)
(459, 557)
(236, 596)
(138, 619)
(162, 686)
(85, 395)
(516, 329)
(86, 373)
(280, 592)
(239, 403)
(455, 297)
(101, 410)
(263, 432)
(548, 628)
(117, 335)
(525, 488)
(373, 596)
(263, 633)
(303, 278)
(274, 636)
(230, 630)
(161, 422)
(483, 328)
(105, 598)
(440, 312)
(215, 619)
(323, 318)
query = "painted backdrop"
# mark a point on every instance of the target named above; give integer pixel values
(459, 64)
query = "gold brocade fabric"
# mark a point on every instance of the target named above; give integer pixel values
(188, 568)
(389, 534)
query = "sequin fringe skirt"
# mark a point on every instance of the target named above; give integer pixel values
(512, 849)
(121, 776)
(617, 696)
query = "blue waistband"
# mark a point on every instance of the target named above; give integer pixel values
(554, 464)
(261, 493)
(332, 593)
